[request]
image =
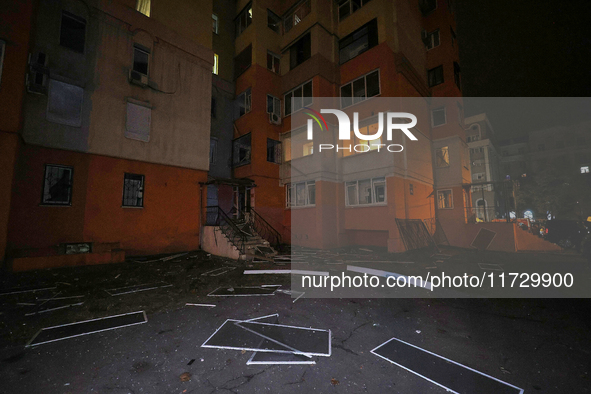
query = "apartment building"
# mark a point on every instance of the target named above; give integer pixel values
(287, 54)
(115, 131)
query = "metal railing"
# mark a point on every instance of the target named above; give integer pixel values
(215, 216)
(263, 228)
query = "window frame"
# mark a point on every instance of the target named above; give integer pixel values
(247, 102)
(304, 41)
(247, 10)
(291, 101)
(365, 97)
(372, 27)
(213, 150)
(215, 23)
(143, 49)
(291, 15)
(279, 21)
(246, 161)
(276, 105)
(445, 157)
(275, 61)
(277, 151)
(291, 194)
(430, 37)
(127, 176)
(341, 3)
(433, 71)
(444, 109)
(451, 198)
(372, 182)
(48, 203)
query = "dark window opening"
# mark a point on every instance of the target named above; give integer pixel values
(73, 30)
(273, 22)
(273, 151)
(243, 20)
(213, 107)
(427, 6)
(273, 62)
(57, 185)
(457, 75)
(133, 190)
(435, 76)
(241, 151)
(243, 61)
(359, 41)
(300, 51)
(141, 58)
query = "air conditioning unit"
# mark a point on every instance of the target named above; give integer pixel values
(274, 118)
(138, 78)
(36, 78)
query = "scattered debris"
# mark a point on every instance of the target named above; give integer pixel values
(185, 377)
(191, 362)
(334, 382)
(53, 309)
(173, 256)
(490, 267)
(295, 272)
(71, 330)
(25, 290)
(263, 290)
(218, 271)
(136, 288)
(206, 305)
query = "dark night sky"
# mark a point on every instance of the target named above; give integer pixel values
(525, 48)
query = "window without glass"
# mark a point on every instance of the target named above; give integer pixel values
(298, 98)
(300, 194)
(215, 22)
(432, 39)
(457, 78)
(359, 41)
(435, 76)
(273, 151)
(273, 105)
(241, 151)
(273, 22)
(57, 185)
(243, 20)
(347, 7)
(427, 6)
(143, 6)
(73, 32)
(445, 199)
(358, 90)
(64, 104)
(141, 59)
(133, 190)
(300, 51)
(213, 150)
(213, 107)
(365, 191)
(442, 157)
(273, 62)
(138, 122)
(438, 116)
(243, 61)
(244, 102)
(292, 18)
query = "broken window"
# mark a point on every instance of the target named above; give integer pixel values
(57, 185)
(298, 98)
(64, 104)
(435, 76)
(300, 51)
(300, 11)
(364, 38)
(138, 122)
(72, 32)
(273, 22)
(445, 199)
(273, 151)
(432, 39)
(273, 62)
(457, 75)
(244, 19)
(358, 90)
(438, 117)
(300, 194)
(244, 103)
(273, 106)
(366, 191)
(133, 190)
(241, 151)
(243, 61)
(141, 59)
(347, 7)
(442, 156)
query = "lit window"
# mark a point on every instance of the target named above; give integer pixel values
(215, 22)
(244, 19)
(273, 62)
(286, 149)
(216, 64)
(435, 76)
(442, 156)
(438, 117)
(133, 190)
(432, 40)
(73, 31)
(585, 170)
(445, 199)
(244, 103)
(273, 151)
(57, 185)
(64, 104)
(143, 6)
(300, 194)
(360, 89)
(356, 145)
(308, 148)
(365, 191)
(298, 98)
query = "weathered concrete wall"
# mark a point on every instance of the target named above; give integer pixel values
(213, 241)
